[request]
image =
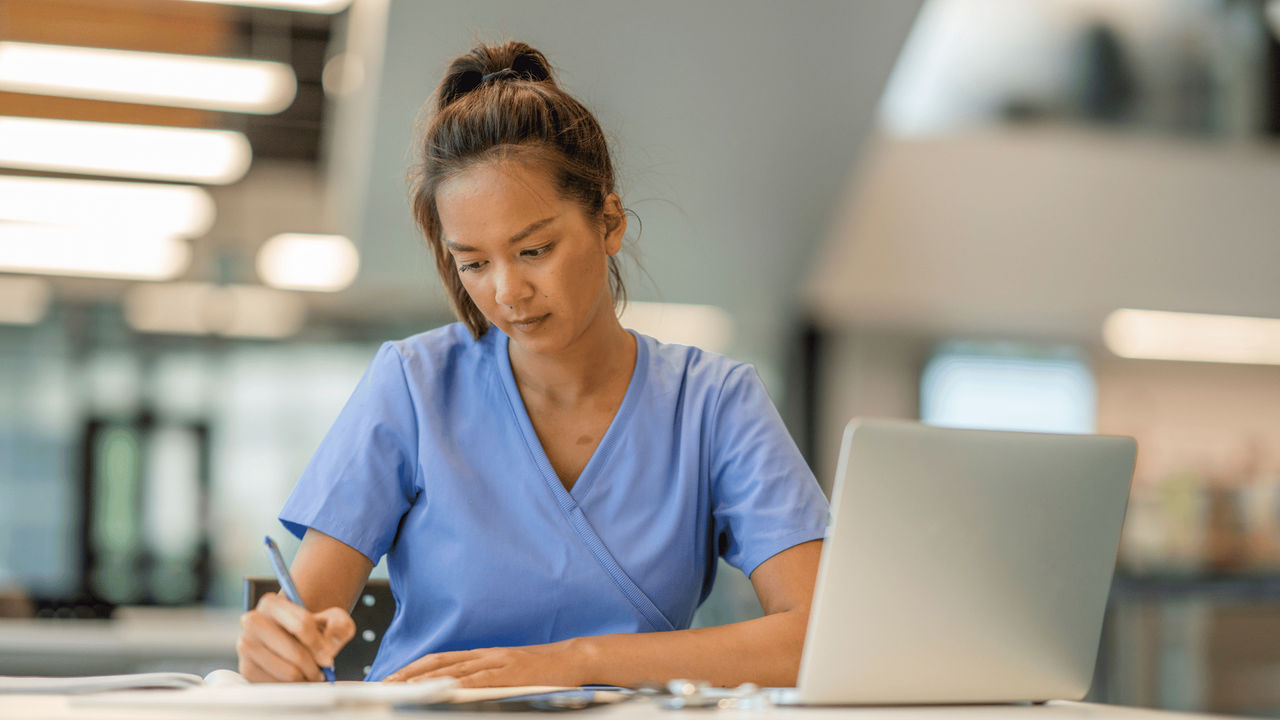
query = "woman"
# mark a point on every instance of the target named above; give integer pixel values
(551, 491)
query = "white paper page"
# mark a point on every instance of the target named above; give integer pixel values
(96, 683)
(279, 696)
(224, 677)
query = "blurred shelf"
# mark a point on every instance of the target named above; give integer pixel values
(137, 639)
(1225, 586)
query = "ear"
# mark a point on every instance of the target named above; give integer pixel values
(615, 224)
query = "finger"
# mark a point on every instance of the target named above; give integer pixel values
(246, 648)
(280, 654)
(337, 629)
(252, 671)
(490, 677)
(273, 667)
(427, 663)
(286, 646)
(262, 631)
(246, 666)
(285, 612)
(456, 670)
(297, 621)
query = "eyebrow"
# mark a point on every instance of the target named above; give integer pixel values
(529, 230)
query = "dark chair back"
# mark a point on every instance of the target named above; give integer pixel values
(372, 615)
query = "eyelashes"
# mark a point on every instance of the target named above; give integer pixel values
(532, 253)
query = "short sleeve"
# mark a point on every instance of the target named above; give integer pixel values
(764, 497)
(360, 481)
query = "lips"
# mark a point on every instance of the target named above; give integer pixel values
(529, 323)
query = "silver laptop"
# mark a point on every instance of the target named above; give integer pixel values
(964, 566)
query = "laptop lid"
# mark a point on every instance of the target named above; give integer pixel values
(964, 565)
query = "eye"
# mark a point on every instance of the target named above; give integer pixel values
(471, 266)
(538, 251)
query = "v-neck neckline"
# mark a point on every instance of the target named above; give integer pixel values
(586, 479)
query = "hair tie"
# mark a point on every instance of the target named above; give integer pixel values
(505, 72)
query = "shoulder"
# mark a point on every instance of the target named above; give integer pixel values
(439, 354)
(691, 371)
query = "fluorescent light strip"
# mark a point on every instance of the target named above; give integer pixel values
(185, 308)
(194, 81)
(58, 250)
(1158, 335)
(23, 301)
(295, 261)
(315, 6)
(127, 206)
(212, 157)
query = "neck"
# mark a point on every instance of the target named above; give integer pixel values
(593, 363)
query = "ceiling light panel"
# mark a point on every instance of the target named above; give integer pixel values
(1158, 335)
(151, 208)
(193, 81)
(212, 157)
(296, 261)
(82, 252)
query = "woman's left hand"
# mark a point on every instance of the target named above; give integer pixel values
(553, 664)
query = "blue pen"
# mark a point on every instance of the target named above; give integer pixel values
(290, 590)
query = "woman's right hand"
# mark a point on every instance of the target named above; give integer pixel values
(283, 642)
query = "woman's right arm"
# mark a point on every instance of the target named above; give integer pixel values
(282, 642)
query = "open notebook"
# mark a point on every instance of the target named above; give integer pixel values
(101, 683)
(225, 689)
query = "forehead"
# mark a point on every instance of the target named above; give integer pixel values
(490, 201)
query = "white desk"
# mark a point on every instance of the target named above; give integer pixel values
(197, 640)
(37, 707)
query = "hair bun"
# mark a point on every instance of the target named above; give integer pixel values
(490, 63)
(529, 64)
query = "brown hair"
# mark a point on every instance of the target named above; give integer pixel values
(500, 102)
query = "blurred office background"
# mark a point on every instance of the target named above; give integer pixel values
(984, 213)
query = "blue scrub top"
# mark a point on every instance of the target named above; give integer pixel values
(435, 463)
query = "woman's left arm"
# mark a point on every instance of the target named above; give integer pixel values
(765, 651)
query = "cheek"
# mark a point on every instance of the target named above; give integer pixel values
(472, 286)
(587, 263)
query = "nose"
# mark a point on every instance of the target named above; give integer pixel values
(511, 287)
